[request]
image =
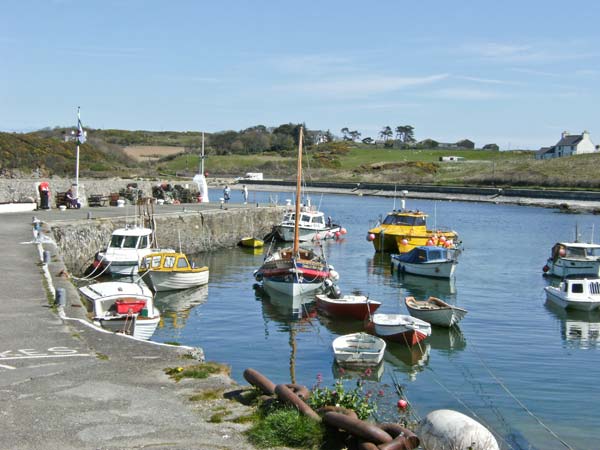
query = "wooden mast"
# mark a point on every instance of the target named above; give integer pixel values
(296, 247)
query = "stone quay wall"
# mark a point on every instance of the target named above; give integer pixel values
(198, 231)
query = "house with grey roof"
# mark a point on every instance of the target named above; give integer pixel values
(568, 145)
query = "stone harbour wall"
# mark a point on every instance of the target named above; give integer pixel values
(198, 231)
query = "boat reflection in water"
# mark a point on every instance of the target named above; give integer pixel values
(371, 374)
(177, 305)
(447, 340)
(410, 360)
(424, 287)
(578, 328)
(300, 306)
(278, 309)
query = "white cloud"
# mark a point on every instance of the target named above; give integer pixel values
(515, 53)
(486, 80)
(465, 94)
(361, 86)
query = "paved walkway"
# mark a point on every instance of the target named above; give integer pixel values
(64, 385)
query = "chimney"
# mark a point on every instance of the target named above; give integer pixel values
(564, 134)
(585, 134)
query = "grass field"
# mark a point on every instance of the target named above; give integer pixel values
(151, 152)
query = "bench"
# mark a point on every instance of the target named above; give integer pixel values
(97, 200)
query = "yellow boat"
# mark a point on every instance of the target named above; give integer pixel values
(401, 231)
(168, 271)
(251, 242)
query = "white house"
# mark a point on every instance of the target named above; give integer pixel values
(569, 144)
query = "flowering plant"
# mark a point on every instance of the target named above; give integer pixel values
(356, 399)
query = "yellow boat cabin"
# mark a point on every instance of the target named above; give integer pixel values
(401, 231)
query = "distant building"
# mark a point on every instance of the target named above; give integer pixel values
(465, 143)
(568, 145)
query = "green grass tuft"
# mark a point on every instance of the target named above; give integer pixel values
(286, 428)
(199, 371)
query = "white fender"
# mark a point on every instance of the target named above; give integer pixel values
(446, 429)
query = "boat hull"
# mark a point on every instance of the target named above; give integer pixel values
(564, 267)
(557, 297)
(161, 281)
(399, 328)
(443, 269)
(138, 327)
(351, 306)
(442, 316)
(286, 233)
(358, 350)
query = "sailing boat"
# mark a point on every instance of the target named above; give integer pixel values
(297, 273)
(200, 178)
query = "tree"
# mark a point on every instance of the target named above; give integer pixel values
(367, 140)
(355, 135)
(386, 133)
(346, 134)
(405, 134)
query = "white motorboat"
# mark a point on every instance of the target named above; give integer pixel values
(429, 261)
(573, 258)
(312, 226)
(576, 293)
(122, 307)
(358, 349)
(127, 246)
(399, 328)
(169, 270)
(435, 311)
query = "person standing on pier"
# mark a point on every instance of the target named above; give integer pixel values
(226, 194)
(245, 194)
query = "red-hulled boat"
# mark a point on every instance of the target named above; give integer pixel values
(399, 328)
(356, 306)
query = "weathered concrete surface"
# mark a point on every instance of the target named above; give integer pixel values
(198, 227)
(64, 385)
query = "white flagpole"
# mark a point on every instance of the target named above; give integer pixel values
(77, 160)
(202, 157)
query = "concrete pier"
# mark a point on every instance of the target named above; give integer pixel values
(67, 385)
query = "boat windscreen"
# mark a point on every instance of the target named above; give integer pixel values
(116, 241)
(130, 242)
(410, 221)
(593, 251)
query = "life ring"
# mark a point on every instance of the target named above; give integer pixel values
(357, 427)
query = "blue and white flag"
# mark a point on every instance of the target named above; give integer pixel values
(81, 135)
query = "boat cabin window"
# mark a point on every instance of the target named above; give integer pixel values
(169, 262)
(116, 240)
(130, 242)
(435, 254)
(318, 219)
(143, 242)
(577, 288)
(304, 218)
(575, 252)
(290, 217)
(145, 263)
(182, 263)
(156, 261)
(593, 252)
(410, 221)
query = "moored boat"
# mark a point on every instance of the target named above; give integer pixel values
(576, 292)
(125, 249)
(573, 258)
(399, 328)
(251, 242)
(403, 230)
(170, 270)
(435, 311)
(295, 271)
(429, 261)
(358, 350)
(312, 226)
(354, 306)
(122, 307)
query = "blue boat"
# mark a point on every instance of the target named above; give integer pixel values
(429, 261)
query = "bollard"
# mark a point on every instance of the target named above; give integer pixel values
(46, 256)
(61, 297)
(89, 215)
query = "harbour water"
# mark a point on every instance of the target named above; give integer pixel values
(524, 369)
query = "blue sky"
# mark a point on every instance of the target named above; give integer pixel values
(516, 73)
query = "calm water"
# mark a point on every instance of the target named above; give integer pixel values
(510, 345)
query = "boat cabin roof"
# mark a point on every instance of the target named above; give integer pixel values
(134, 231)
(165, 260)
(407, 218)
(578, 244)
